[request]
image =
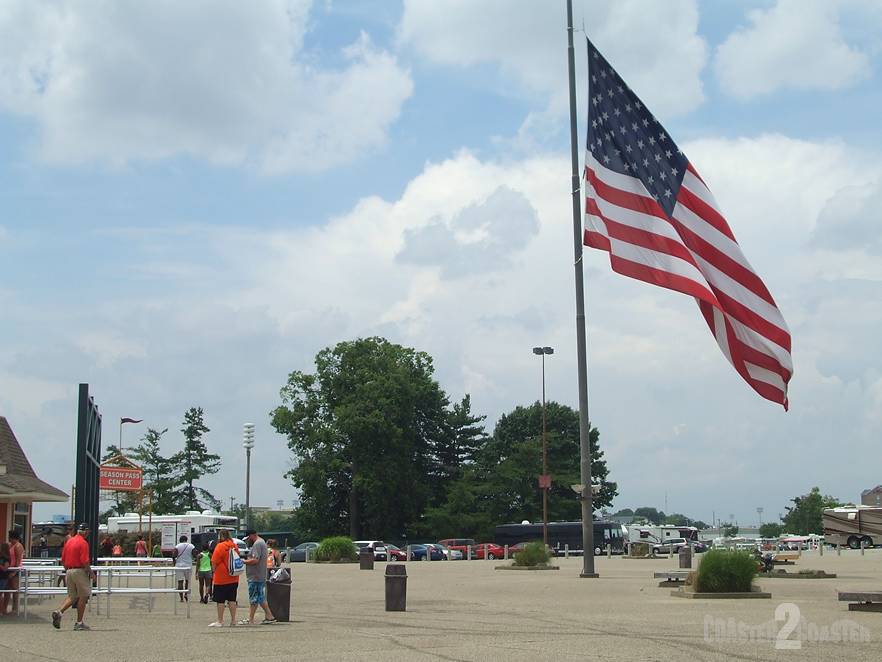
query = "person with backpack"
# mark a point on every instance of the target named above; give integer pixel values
(226, 566)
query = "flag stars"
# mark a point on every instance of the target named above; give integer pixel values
(662, 137)
(669, 153)
(667, 193)
(675, 172)
(652, 141)
(640, 144)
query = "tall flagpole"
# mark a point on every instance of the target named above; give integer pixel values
(584, 445)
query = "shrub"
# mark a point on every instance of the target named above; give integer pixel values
(337, 549)
(532, 554)
(724, 571)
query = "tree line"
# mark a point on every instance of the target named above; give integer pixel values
(380, 450)
(171, 478)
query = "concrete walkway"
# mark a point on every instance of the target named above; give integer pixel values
(468, 611)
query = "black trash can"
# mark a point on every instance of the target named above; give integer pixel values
(278, 597)
(396, 587)
(366, 558)
(685, 556)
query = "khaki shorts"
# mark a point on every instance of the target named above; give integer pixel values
(79, 584)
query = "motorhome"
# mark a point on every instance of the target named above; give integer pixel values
(853, 525)
(192, 523)
(655, 534)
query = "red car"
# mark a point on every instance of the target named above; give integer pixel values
(481, 550)
(396, 553)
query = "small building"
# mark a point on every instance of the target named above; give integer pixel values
(872, 497)
(19, 487)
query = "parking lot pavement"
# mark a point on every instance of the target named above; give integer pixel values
(468, 611)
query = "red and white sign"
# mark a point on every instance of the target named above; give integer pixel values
(122, 479)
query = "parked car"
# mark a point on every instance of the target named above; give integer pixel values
(241, 546)
(461, 544)
(698, 546)
(396, 553)
(488, 550)
(670, 546)
(298, 554)
(418, 552)
(449, 554)
(377, 546)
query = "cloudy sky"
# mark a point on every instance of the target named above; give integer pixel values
(197, 197)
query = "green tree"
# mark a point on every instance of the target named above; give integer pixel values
(624, 512)
(729, 530)
(455, 448)
(157, 471)
(806, 514)
(362, 429)
(652, 515)
(509, 464)
(771, 530)
(194, 462)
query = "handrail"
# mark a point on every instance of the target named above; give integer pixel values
(107, 589)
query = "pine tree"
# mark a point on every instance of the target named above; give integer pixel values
(194, 462)
(157, 471)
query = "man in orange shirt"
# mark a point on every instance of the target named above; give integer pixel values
(225, 585)
(76, 557)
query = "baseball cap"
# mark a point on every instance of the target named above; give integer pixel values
(84, 526)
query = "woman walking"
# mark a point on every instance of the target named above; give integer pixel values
(203, 572)
(225, 586)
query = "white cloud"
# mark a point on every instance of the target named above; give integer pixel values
(280, 296)
(226, 82)
(649, 44)
(794, 44)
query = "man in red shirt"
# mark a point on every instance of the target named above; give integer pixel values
(76, 558)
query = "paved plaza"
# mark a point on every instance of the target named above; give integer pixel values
(469, 611)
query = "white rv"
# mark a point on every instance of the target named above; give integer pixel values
(655, 534)
(851, 525)
(193, 521)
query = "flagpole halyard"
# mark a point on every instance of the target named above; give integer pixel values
(586, 495)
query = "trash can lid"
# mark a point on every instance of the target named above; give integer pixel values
(396, 570)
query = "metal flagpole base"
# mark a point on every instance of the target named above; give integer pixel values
(588, 575)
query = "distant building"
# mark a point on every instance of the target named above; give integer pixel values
(872, 497)
(19, 487)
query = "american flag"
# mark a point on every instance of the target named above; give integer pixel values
(649, 208)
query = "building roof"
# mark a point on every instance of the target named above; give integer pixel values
(878, 488)
(17, 478)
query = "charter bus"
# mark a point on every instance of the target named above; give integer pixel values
(563, 534)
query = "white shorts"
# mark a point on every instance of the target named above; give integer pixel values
(183, 574)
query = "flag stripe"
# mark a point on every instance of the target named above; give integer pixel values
(647, 206)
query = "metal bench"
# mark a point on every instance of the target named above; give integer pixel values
(671, 577)
(862, 600)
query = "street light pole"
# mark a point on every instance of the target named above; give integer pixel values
(248, 443)
(544, 482)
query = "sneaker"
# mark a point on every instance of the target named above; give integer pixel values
(81, 626)
(56, 620)
(268, 621)
(215, 625)
(245, 621)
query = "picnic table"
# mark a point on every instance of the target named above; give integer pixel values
(862, 600)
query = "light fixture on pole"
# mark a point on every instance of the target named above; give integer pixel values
(544, 479)
(248, 444)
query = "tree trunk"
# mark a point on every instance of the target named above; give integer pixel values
(354, 531)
